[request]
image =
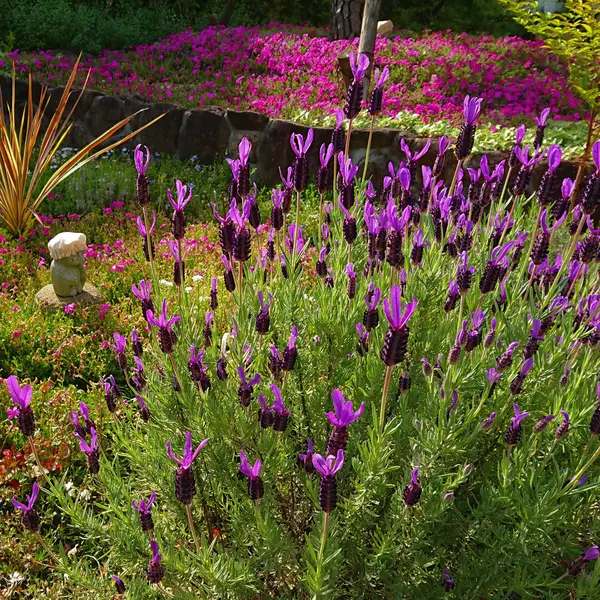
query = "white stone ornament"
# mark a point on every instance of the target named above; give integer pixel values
(67, 244)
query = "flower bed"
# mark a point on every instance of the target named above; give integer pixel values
(290, 72)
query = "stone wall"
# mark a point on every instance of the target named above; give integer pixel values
(211, 132)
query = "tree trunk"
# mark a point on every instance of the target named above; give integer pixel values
(346, 18)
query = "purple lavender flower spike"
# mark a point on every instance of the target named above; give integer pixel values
(344, 414)
(305, 458)
(144, 507)
(281, 413)
(141, 158)
(185, 484)
(155, 571)
(189, 454)
(396, 340)
(493, 375)
(358, 67)
(91, 450)
(355, 89)
(543, 117)
(255, 484)
(576, 566)
(246, 387)
(453, 403)
(327, 468)
(21, 396)
(487, 423)
(166, 335)
(514, 432)
(543, 423)
(448, 582)
(412, 492)
(471, 109)
(30, 517)
(554, 157)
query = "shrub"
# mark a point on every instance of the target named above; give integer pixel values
(458, 475)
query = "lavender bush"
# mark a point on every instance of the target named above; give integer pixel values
(376, 396)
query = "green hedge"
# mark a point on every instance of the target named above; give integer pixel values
(91, 25)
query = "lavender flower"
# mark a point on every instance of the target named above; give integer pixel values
(412, 492)
(504, 361)
(351, 289)
(524, 175)
(119, 585)
(82, 428)
(300, 147)
(185, 484)
(120, 346)
(30, 517)
(438, 164)
(487, 423)
(371, 314)
(141, 159)
(362, 347)
(376, 99)
(243, 171)
(517, 383)
(305, 459)
(178, 265)
(590, 197)
(21, 396)
(419, 242)
(342, 416)
(147, 236)
(464, 274)
(144, 507)
(111, 392)
(355, 89)
(563, 428)
(214, 301)
(513, 161)
(541, 245)
(255, 484)
(453, 403)
(197, 369)
(453, 295)
(155, 571)
(280, 412)
(143, 294)
(576, 566)
(347, 173)
(327, 469)
(412, 158)
(144, 410)
(178, 219)
(338, 137)
(246, 387)
(166, 335)
(466, 136)
(228, 278)
(543, 423)
(241, 240)
(91, 450)
(396, 338)
(290, 353)
(541, 127)
(349, 226)
(323, 176)
(535, 337)
(548, 183)
(515, 430)
(448, 582)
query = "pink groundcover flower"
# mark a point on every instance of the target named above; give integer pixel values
(281, 70)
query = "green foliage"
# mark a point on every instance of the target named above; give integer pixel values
(573, 33)
(91, 26)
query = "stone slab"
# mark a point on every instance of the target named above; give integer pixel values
(47, 298)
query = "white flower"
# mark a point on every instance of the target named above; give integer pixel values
(166, 283)
(197, 278)
(15, 578)
(189, 288)
(85, 494)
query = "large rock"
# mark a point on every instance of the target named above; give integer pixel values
(204, 133)
(47, 298)
(161, 136)
(104, 112)
(247, 120)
